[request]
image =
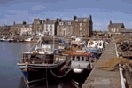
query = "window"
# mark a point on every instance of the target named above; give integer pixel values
(69, 23)
(87, 59)
(85, 20)
(80, 24)
(78, 58)
(52, 25)
(112, 29)
(82, 58)
(61, 23)
(81, 29)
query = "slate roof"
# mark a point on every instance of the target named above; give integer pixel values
(48, 21)
(66, 22)
(116, 25)
(82, 19)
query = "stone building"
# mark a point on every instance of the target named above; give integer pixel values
(21, 29)
(37, 26)
(45, 27)
(4, 30)
(49, 27)
(115, 28)
(26, 29)
(82, 26)
(64, 28)
(15, 29)
(76, 27)
(126, 32)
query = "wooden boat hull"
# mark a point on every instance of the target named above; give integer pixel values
(79, 78)
(34, 73)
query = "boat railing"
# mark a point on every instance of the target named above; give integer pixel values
(42, 60)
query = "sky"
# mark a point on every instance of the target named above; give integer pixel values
(102, 11)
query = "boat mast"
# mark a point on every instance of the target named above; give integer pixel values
(53, 43)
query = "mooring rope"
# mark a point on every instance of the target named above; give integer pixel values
(58, 75)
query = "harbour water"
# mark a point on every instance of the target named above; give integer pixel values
(10, 74)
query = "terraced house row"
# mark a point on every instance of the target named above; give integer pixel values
(76, 27)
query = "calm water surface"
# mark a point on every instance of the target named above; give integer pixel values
(10, 74)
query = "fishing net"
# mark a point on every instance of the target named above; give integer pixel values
(118, 41)
(113, 63)
(91, 42)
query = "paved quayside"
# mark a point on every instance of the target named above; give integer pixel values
(99, 78)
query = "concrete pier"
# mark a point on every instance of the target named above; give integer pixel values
(99, 78)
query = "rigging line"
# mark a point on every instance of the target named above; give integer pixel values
(59, 76)
(39, 40)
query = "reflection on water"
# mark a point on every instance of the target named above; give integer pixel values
(22, 83)
(66, 84)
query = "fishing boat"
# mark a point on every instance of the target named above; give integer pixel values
(28, 39)
(7, 39)
(63, 44)
(2, 39)
(41, 63)
(81, 61)
(100, 44)
(96, 47)
(80, 58)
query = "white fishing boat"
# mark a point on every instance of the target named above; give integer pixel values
(28, 39)
(100, 44)
(2, 39)
(96, 47)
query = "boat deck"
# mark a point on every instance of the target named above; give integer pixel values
(103, 78)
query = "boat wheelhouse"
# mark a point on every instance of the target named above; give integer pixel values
(80, 60)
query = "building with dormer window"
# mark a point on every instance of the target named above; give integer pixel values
(77, 27)
(115, 28)
(82, 26)
(49, 27)
(64, 28)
